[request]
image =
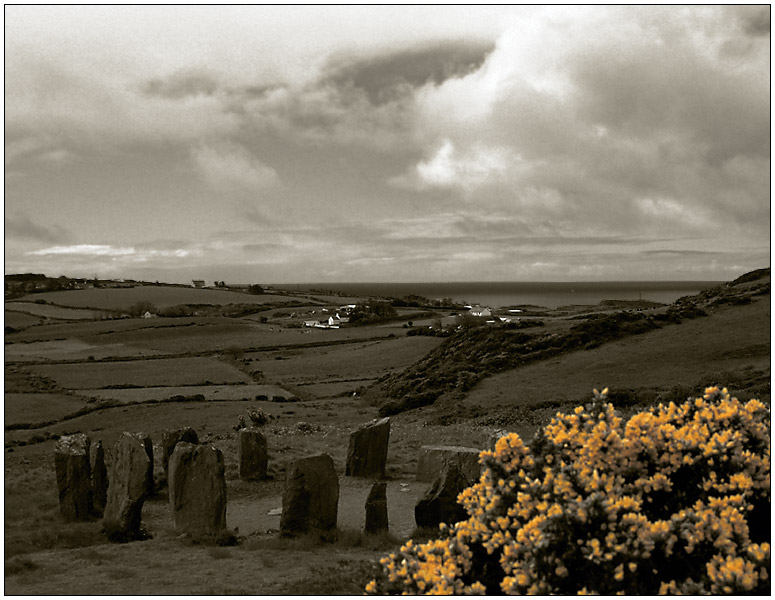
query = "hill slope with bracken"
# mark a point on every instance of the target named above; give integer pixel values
(507, 377)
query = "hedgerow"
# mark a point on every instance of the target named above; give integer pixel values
(675, 500)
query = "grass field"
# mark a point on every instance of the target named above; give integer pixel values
(49, 376)
(37, 408)
(351, 362)
(142, 373)
(118, 298)
(210, 392)
(53, 312)
(20, 320)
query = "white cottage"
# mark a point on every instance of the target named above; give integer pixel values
(478, 311)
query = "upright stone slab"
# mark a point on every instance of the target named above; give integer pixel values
(73, 471)
(170, 438)
(252, 454)
(99, 477)
(376, 509)
(367, 452)
(311, 496)
(439, 504)
(433, 459)
(197, 484)
(130, 483)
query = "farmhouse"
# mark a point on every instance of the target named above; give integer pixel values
(478, 311)
(332, 323)
(198, 283)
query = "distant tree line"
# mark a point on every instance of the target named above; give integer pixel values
(21, 284)
(373, 312)
(413, 300)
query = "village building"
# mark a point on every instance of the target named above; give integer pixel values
(478, 311)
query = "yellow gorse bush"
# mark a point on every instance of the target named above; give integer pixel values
(674, 500)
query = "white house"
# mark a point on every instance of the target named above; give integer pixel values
(478, 311)
(148, 315)
(314, 323)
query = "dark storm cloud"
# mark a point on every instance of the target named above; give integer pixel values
(181, 85)
(22, 228)
(672, 95)
(386, 77)
(754, 19)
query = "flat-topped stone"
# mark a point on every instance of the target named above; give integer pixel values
(252, 454)
(311, 496)
(434, 458)
(73, 473)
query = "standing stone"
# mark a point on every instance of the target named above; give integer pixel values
(170, 437)
(439, 504)
(71, 463)
(197, 483)
(130, 483)
(311, 496)
(376, 509)
(99, 477)
(252, 454)
(367, 452)
(433, 459)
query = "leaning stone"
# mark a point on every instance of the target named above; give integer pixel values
(170, 437)
(311, 496)
(197, 484)
(439, 504)
(433, 459)
(99, 477)
(130, 483)
(367, 452)
(73, 472)
(252, 454)
(376, 509)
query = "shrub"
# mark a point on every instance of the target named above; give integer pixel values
(258, 417)
(675, 500)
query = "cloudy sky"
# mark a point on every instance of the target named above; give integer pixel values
(305, 144)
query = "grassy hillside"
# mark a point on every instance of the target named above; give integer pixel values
(471, 356)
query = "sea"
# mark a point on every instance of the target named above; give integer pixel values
(501, 294)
